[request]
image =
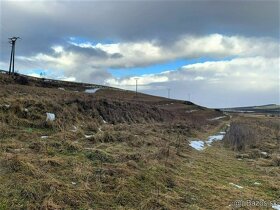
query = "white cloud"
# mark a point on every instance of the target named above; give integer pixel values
(242, 64)
(257, 73)
(151, 52)
(83, 61)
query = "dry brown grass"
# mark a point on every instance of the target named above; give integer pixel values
(140, 158)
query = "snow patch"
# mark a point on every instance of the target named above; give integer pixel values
(213, 138)
(50, 116)
(237, 186)
(197, 144)
(92, 90)
(217, 118)
(276, 206)
(88, 136)
(44, 137)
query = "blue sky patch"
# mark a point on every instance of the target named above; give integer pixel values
(158, 68)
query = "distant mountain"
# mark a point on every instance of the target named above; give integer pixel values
(268, 108)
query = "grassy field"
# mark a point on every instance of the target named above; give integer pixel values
(112, 150)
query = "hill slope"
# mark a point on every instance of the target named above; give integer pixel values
(112, 150)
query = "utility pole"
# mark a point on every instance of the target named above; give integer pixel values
(189, 97)
(168, 92)
(136, 87)
(12, 58)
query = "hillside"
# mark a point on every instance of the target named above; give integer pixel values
(110, 149)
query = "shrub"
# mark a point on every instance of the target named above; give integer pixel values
(240, 136)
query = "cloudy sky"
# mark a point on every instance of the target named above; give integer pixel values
(218, 53)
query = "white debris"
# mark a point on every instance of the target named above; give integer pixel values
(235, 185)
(73, 183)
(25, 109)
(91, 90)
(60, 88)
(18, 150)
(239, 159)
(99, 129)
(44, 137)
(264, 153)
(74, 129)
(103, 120)
(275, 206)
(50, 116)
(198, 145)
(5, 105)
(88, 136)
(257, 183)
(217, 118)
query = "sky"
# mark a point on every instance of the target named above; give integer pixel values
(216, 53)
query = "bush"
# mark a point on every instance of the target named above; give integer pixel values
(240, 136)
(22, 80)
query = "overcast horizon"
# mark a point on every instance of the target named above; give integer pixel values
(216, 53)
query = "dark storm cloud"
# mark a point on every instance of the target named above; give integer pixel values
(42, 24)
(92, 52)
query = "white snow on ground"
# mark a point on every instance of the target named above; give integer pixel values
(217, 118)
(50, 116)
(44, 137)
(213, 138)
(276, 206)
(91, 90)
(235, 185)
(88, 136)
(198, 145)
